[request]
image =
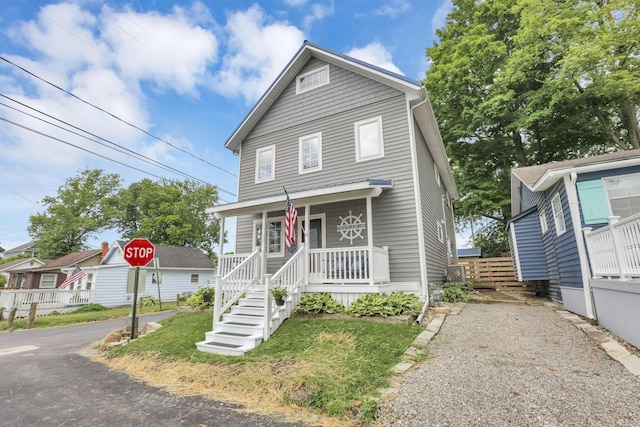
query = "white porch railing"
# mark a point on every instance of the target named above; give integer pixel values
(291, 277)
(228, 262)
(230, 287)
(614, 250)
(49, 300)
(348, 265)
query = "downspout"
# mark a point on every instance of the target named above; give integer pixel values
(446, 229)
(574, 206)
(424, 281)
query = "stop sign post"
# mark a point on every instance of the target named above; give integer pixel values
(138, 252)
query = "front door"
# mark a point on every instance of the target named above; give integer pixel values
(317, 236)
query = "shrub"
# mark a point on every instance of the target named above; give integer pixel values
(396, 304)
(149, 301)
(91, 307)
(203, 297)
(320, 302)
(455, 291)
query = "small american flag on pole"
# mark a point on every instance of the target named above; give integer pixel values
(290, 220)
(76, 275)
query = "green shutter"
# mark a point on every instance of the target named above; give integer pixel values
(593, 202)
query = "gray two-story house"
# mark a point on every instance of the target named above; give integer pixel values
(358, 150)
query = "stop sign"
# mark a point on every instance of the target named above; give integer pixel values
(139, 252)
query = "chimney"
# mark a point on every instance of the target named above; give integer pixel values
(105, 249)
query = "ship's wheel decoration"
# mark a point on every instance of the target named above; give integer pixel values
(351, 227)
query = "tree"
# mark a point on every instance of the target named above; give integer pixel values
(83, 207)
(500, 103)
(169, 212)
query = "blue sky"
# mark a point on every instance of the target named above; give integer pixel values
(186, 72)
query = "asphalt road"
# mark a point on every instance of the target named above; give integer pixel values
(44, 381)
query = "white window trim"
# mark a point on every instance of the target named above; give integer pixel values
(440, 232)
(271, 148)
(195, 276)
(55, 280)
(301, 169)
(323, 218)
(558, 217)
(543, 222)
(605, 182)
(315, 70)
(438, 180)
(257, 222)
(356, 127)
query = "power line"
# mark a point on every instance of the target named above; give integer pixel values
(115, 117)
(18, 194)
(122, 149)
(83, 149)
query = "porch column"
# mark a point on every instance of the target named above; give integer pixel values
(264, 235)
(307, 224)
(221, 244)
(370, 240)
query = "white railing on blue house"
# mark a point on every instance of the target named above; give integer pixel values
(614, 250)
(291, 277)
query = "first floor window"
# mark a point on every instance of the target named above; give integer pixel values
(195, 278)
(558, 214)
(440, 232)
(624, 194)
(265, 163)
(275, 239)
(89, 280)
(543, 222)
(48, 281)
(369, 140)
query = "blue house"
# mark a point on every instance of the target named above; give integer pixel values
(575, 228)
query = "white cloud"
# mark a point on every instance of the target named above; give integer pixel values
(172, 51)
(256, 53)
(376, 54)
(295, 2)
(393, 8)
(318, 12)
(439, 18)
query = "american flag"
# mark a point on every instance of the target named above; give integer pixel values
(290, 220)
(76, 275)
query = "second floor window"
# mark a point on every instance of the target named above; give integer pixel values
(310, 153)
(312, 79)
(265, 163)
(369, 140)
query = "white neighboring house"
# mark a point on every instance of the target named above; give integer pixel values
(181, 269)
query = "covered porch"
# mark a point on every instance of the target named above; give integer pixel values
(342, 260)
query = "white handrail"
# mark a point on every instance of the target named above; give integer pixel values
(290, 276)
(614, 250)
(348, 265)
(230, 287)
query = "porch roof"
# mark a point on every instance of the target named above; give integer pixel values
(330, 194)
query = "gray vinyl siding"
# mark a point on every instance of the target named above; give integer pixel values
(432, 212)
(332, 110)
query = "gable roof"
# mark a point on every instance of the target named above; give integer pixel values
(542, 177)
(18, 262)
(413, 89)
(308, 50)
(71, 259)
(171, 256)
(21, 248)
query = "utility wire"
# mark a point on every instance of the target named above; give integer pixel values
(18, 194)
(115, 117)
(122, 149)
(83, 149)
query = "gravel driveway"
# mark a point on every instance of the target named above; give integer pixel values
(497, 365)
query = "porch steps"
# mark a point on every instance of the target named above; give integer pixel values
(241, 329)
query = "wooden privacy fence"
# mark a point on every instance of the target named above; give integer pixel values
(491, 273)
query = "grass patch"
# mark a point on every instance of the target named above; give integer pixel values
(90, 316)
(330, 367)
